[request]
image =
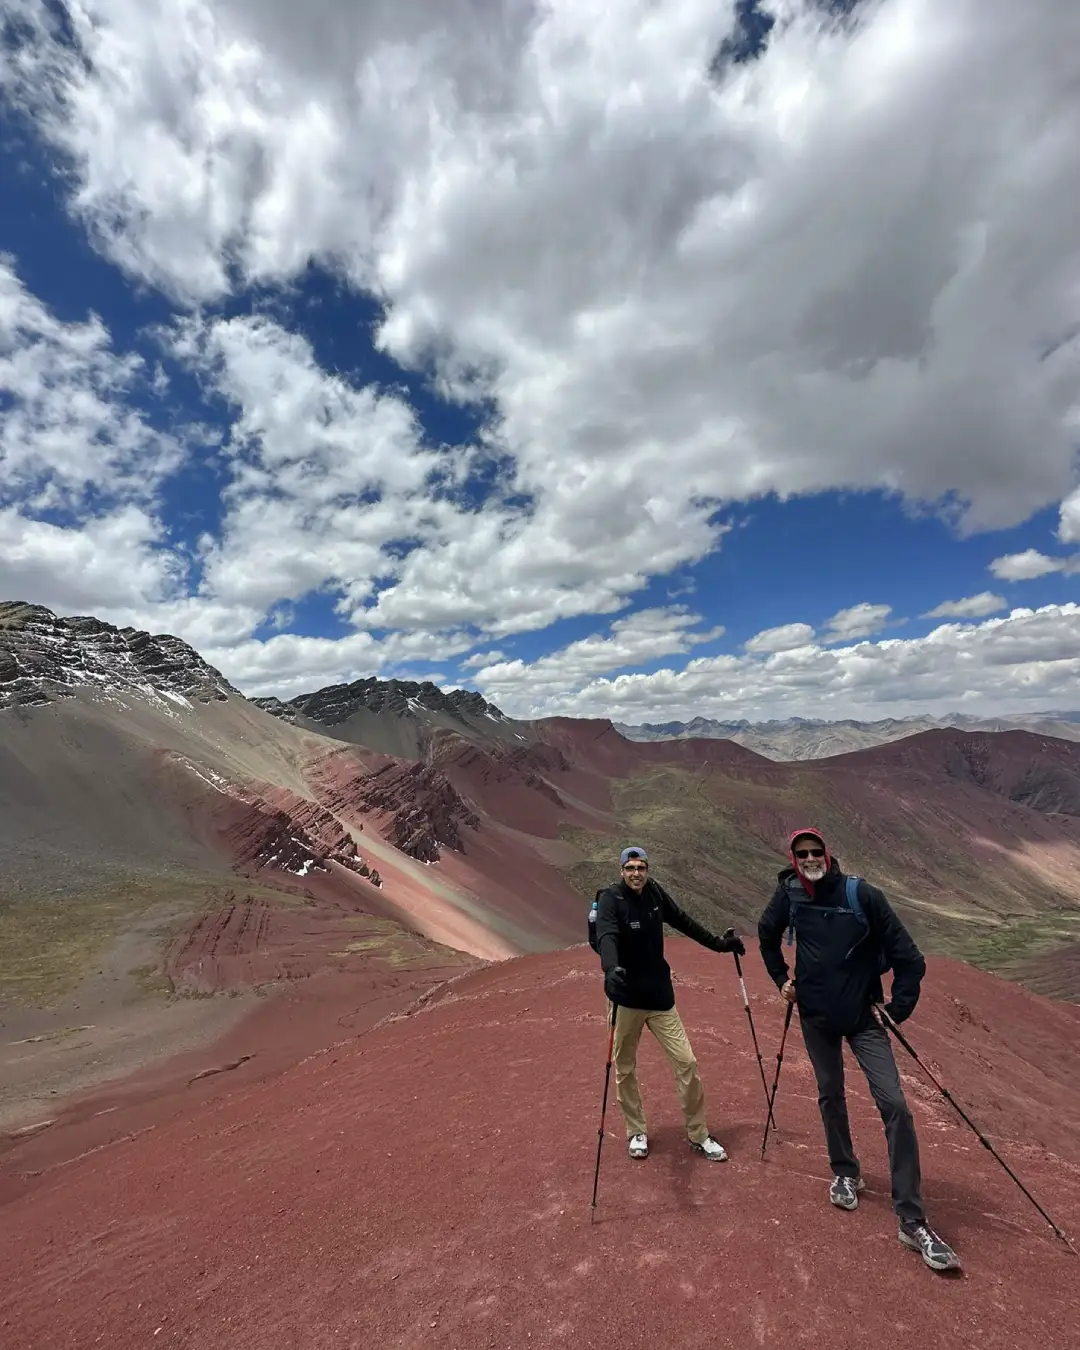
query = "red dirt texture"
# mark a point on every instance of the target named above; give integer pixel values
(425, 1182)
(1038, 771)
(1050, 972)
(249, 942)
(596, 745)
(522, 786)
(346, 992)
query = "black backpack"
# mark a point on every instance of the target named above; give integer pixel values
(593, 943)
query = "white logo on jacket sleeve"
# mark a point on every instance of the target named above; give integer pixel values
(635, 923)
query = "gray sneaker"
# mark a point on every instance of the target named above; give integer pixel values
(937, 1253)
(639, 1146)
(844, 1191)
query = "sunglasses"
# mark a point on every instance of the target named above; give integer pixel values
(635, 867)
(809, 853)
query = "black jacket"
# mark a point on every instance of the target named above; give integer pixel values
(837, 971)
(630, 933)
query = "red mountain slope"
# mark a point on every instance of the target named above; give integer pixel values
(1037, 771)
(427, 1184)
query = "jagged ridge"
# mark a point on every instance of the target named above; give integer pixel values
(426, 811)
(282, 829)
(338, 702)
(44, 657)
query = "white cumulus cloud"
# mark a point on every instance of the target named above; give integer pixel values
(971, 607)
(849, 264)
(859, 621)
(323, 474)
(1028, 660)
(1069, 525)
(80, 465)
(637, 639)
(112, 566)
(479, 659)
(66, 423)
(782, 639)
(1026, 566)
(288, 664)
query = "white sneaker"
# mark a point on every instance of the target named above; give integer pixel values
(711, 1149)
(639, 1146)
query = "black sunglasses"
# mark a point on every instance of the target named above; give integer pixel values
(635, 867)
(809, 853)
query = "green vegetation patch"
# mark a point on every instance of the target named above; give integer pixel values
(1017, 939)
(393, 944)
(48, 945)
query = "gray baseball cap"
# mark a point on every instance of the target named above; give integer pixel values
(632, 852)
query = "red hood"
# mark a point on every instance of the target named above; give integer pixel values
(797, 834)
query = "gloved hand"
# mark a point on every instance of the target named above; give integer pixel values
(615, 984)
(729, 942)
(897, 1012)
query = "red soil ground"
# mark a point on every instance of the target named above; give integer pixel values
(248, 943)
(425, 1180)
(365, 987)
(596, 745)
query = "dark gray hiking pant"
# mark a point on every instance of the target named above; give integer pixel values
(874, 1054)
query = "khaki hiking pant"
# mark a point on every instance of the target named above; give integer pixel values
(668, 1029)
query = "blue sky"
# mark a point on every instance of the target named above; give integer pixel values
(550, 363)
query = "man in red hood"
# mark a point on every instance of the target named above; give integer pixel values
(847, 936)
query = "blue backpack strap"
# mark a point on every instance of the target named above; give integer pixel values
(851, 891)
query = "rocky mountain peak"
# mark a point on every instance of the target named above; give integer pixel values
(44, 657)
(338, 702)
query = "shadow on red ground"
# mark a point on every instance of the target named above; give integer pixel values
(424, 1182)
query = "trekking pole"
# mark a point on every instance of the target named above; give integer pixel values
(753, 1033)
(776, 1080)
(888, 1022)
(603, 1109)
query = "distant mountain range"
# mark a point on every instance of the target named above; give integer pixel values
(44, 657)
(808, 738)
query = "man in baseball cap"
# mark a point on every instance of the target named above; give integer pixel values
(630, 939)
